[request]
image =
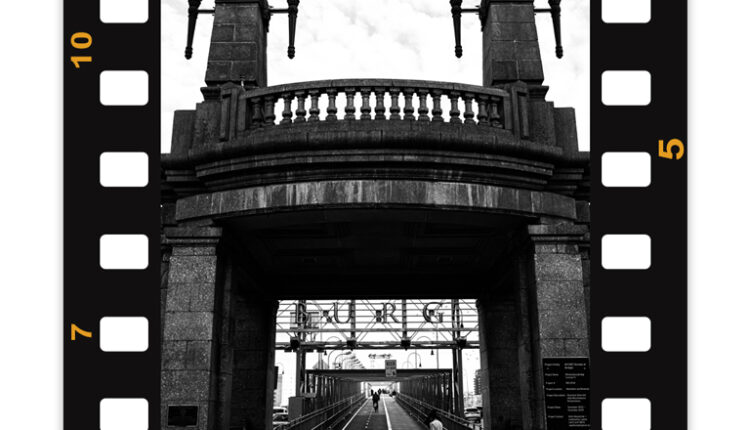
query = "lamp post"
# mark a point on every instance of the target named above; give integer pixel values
(416, 355)
(432, 351)
(341, 354)
(320, 359)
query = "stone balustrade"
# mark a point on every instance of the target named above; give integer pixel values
(372, 100)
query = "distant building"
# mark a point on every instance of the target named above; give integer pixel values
(478, 382)
(278, 391)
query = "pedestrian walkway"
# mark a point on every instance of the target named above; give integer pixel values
(389, 416)
(398, 417)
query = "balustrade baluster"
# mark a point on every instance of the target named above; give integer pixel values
(395, 108)
(490, 107)
(268, 112)
(494, 114)
(379, 103)
(408, 107)
(257, 110)
(365, 109)
(437, 111)
(455, 114)
(286, 113)
(482, 115)
(332, 110)
(314, 109)
(350, 110)
(301, 111)
(423, 110)
(469, 108)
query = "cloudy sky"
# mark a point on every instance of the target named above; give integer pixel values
(375, 39)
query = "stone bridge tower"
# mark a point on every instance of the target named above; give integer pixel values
(369, 188)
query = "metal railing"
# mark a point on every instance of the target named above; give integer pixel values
(325, 418)
(420, 411)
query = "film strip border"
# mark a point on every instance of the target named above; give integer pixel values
(639, 214)
(111, 214)
(111, 159)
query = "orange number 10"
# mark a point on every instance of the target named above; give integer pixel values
(80, 40)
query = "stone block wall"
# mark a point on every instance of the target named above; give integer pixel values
(557, 299)
(499, 336)
(218, 335)
(189, 347)
(238, 44)
(253, 361)
(510, 44)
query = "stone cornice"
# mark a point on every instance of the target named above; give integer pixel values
(335, 194)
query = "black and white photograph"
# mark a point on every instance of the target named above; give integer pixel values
(375, 215)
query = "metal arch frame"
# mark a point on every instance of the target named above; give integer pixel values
(406, 321)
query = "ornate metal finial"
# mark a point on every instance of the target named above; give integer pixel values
(555, 6)
(456, 11)
(293, 6)
(291, 11)
(193, 11)
(554, 11)
(193, 6)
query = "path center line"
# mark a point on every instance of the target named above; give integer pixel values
(354, 415)
(387, 417)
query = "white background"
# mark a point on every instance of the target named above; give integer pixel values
(31, 215)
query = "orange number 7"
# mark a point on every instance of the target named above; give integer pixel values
(75, 329)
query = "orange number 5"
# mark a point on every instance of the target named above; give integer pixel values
(668, 153)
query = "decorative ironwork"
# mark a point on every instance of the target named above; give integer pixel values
(194, 10)
(554, 11)
(291, 11)
(377, 324)
(456, 11)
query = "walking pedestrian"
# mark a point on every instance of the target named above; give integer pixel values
(433, 421)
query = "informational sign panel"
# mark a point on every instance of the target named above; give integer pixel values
(390, 368)
(566, 393)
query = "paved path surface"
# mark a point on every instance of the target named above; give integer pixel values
(389, 416)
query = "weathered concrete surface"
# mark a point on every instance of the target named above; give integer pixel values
(559, 308)
(198, 138)
(538, 312)
(190, 347)
(252, 363)
(416, 194)
(218, 338)
(499, 336)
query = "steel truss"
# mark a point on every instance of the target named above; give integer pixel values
(377, 324)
